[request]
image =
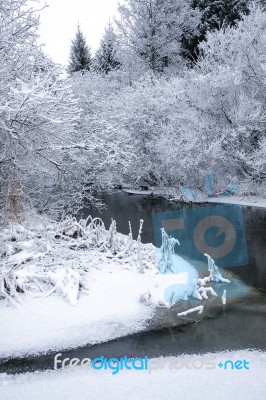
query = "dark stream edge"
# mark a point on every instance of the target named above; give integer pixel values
(241, 326)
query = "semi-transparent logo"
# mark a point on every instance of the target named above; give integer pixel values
(216, 230)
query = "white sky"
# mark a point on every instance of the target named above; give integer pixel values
(59, 23)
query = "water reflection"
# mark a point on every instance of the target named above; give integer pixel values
(124, 208)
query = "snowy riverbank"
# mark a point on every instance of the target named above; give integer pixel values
(189, 196)
(167, 383)
(69, 284)
(251, 201)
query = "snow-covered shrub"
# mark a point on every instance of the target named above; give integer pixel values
(55, 256)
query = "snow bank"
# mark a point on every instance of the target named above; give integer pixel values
(252, 201)
(166, 383)
(112, 280)
(53, 257)
(110, 310)
(114, 306)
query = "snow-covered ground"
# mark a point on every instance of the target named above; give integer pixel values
(111, 309)
(58, 292)
(167, 384)
(189, 195)
(244, 201)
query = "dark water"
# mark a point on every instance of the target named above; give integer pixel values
(240, 327)
(124, 208)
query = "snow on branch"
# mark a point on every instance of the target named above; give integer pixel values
(215, 275)
(192, 310)
(55, 256)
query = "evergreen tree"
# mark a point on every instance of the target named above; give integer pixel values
(153, 29)
(220, 13)
(215, 14)
(80, 55)
(106, 58)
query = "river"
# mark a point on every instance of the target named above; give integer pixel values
(241, 326)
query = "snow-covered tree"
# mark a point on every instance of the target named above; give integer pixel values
(153, 29)
(236, 57)
(37, 112)
(215, 14)
(209, 120)
(218, 121)
(80, 55)
(220, 13)
(106, 57)
(110, 146)
(47, 158)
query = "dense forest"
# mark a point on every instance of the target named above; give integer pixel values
(175, 91)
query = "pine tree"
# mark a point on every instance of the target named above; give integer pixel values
(220, 13)
(106, 58)
(153, 29)
(215, 14)
(80, 55)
